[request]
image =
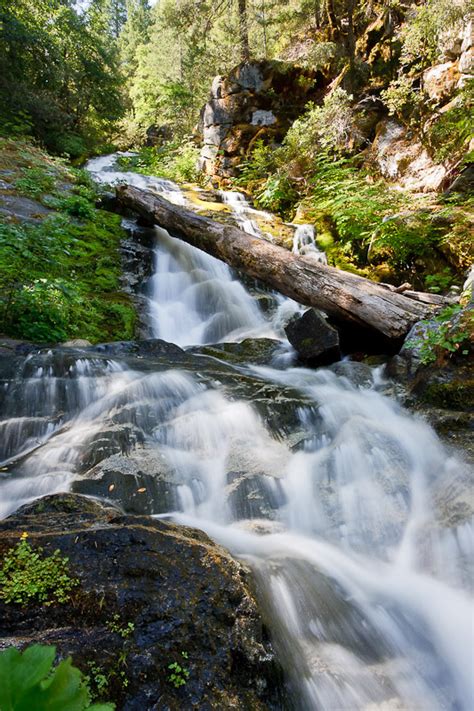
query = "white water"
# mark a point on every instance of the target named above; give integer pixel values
(304, 243)
(366, 587)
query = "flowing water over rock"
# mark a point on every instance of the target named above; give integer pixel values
(356, 521)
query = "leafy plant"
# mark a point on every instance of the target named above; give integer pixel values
(437, 283)
(449, 134)
(402, 99)
(124, 629)
(35, 182)
(445, 335)
(27, 575)
(29, 681)
(179, 674)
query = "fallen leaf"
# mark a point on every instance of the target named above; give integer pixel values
(140, 491)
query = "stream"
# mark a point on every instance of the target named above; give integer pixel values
(354, 518)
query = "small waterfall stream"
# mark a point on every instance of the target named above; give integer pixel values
(345, 506)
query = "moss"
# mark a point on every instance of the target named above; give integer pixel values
(61, 275)
(455, 395)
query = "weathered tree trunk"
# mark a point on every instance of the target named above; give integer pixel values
(346, 297)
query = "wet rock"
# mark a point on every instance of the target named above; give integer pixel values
(258, 351)
(17, 208)
(76, 343)
(359, 374)
(254, 497)
(180, 591)
(149, 348)
(143, 483)
(315, 341)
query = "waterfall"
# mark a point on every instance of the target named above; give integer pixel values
(353, 517)
(304, 243)
(195, 299)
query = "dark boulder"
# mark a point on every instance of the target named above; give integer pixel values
(180, 592)
(313, 338)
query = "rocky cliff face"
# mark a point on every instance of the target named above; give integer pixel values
(179, 592)
(257, 100)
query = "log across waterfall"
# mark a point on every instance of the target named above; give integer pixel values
(346, 297)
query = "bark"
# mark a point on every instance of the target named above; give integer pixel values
(243, 31)
(346, 297)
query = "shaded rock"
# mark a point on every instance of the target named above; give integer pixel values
(315, 341)
(15, 207)
(180, 591)
(148, 347)
(137, 493)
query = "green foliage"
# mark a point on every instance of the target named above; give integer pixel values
(258, 166)
(402, 99)
(34, 182)
(59, 74)
(179, 674)
(75, 205)
(29, 681)
(428, 28)
(329, 127)
(124, 629)
(175, 161)
(60, 277)
(61, 280)
(438, 283)
(28, 576)
(445, 335)
(449, 134)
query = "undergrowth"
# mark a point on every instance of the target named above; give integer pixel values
(60, 275)
(173, 161)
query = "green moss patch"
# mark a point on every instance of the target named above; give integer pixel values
(60, 274)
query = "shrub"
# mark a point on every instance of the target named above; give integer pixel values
(402, 99)
(450, 133)
(330, 127)
(61, 278)
(29, 680)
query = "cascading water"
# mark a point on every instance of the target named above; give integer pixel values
(346, 508)
(304, 243)
(194, 298)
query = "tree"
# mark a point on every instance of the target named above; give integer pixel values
(59, 69)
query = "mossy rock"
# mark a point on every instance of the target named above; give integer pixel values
(148, 590)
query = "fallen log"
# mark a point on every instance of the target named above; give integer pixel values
(346, 297)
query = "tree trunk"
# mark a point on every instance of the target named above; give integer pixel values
(243, 31)
(348, 298)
